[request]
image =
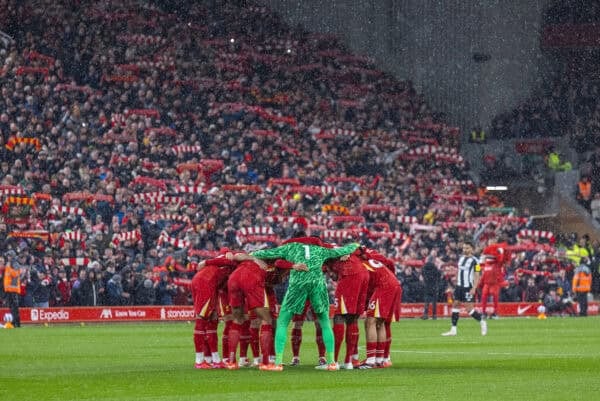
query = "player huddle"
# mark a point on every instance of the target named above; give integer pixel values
(238, 287)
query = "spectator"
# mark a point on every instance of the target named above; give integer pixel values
(555, 304)
(62, 289)
(165, 290)
(512, 293)
(555, 163)
(431, 281)
(531, 292)
(478, 135)
(114, 292)
(412, 288)
(595, 206)
(41, 288)
(145, 294)
(76, 298)
(91, 289)
(584, 193)
(582, 284)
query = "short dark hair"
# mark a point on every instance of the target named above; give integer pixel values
(299, 233)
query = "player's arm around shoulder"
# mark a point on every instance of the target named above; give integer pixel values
(342, 251)
(279, 252)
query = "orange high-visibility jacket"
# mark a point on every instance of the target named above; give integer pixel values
(582, 282)
(12, 280)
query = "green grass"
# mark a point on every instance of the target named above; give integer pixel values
(520, 359)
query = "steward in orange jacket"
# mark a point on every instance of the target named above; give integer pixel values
(582, 284)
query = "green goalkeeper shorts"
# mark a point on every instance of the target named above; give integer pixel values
(296, 296)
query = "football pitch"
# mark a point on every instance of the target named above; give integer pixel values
(519, 359)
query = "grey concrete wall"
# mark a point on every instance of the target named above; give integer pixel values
(431, 42)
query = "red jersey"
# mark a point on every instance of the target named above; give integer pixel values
(381, 269)
(250, 267)
(499, 252)
(215, 272)
(495, 258)
(64, 288)
(490, 273)
(278, 275)
(352, 266)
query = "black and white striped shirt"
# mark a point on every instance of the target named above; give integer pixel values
(467, 266)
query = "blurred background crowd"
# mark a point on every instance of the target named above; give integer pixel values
(136, 141)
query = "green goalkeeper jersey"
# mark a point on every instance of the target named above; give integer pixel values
(306, 284)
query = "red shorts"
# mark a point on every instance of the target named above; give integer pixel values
(351, 294)
(273, 305)
(223, 308)
(385, 303)
(248, 289)
(205, 300)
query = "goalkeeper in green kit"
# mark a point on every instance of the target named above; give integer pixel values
(304, 285)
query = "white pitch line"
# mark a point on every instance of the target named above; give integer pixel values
(529, 354)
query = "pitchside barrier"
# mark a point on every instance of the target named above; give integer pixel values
(103, 314)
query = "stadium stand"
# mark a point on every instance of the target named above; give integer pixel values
(138, 141)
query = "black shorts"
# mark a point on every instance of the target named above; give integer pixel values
(462, 294)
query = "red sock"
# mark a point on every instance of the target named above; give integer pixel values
(296, 341)
(199, 333)
(351, 341)
(495, 298)
(338, 337)
(234, 338)
(266, 341)
(320, 343)
(206, 347)
(211, 336)
(380, 350)
(225, 339)
(371, 349)
(255, 341)
(245, 339)
(388, 339)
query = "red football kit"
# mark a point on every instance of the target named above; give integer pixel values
(494, 256)
(352, 285)
(246, 286)
(207, 282)
(385, 292)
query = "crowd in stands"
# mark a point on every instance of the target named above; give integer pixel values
(565, 105)
(136, 142)
(573, 12)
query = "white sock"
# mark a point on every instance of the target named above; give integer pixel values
(215, 357)
(355, 356)
(243, 360)
(379, 360)
(371, 360)
(199, 357)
